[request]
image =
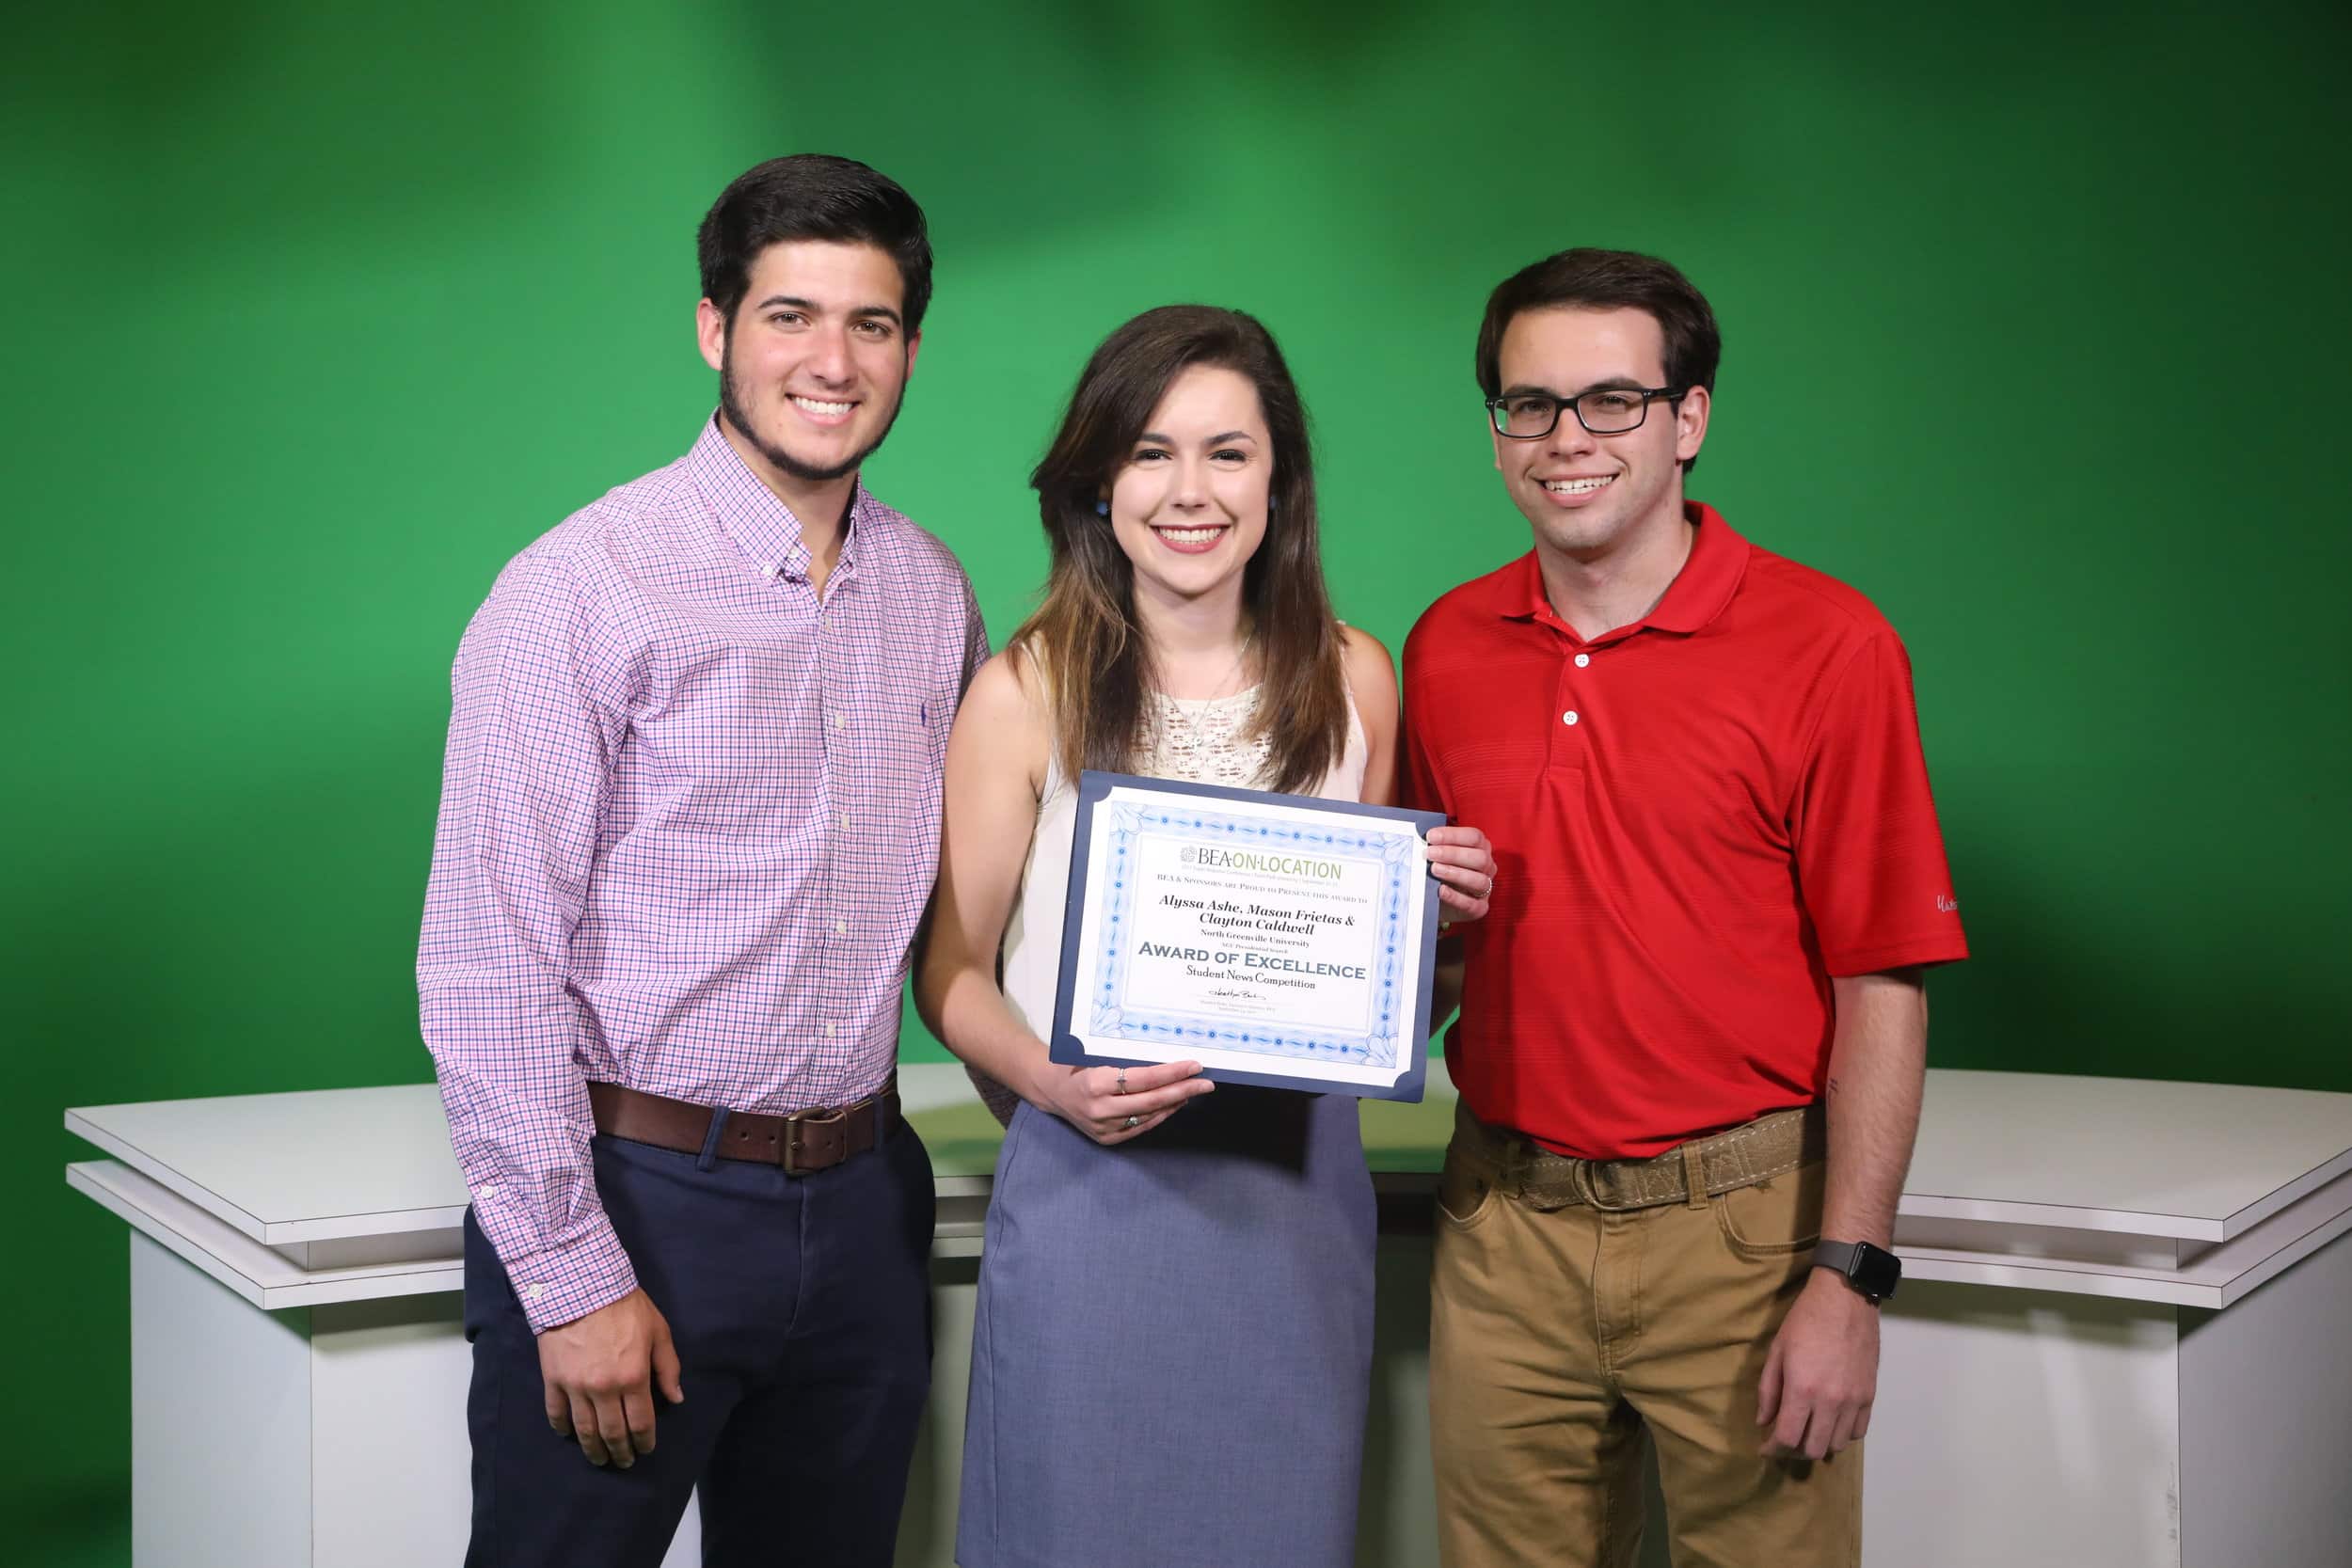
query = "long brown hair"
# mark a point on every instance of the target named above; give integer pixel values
(1093, 652)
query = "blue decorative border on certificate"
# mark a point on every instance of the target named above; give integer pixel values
(1374, 1047)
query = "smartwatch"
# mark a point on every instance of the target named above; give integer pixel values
(1872, 1270)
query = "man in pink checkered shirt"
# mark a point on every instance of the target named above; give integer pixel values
(688, 823)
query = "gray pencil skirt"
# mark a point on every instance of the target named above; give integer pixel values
(1174, 1345)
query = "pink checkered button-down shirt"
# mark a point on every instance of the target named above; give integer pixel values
(689, 818)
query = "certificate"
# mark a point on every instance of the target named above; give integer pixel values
(1277, 940)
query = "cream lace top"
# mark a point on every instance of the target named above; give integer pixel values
(1200, 740)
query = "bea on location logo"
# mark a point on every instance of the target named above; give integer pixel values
(1190, 854)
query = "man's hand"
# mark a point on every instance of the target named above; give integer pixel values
(1821, 1374)
(599, 1371)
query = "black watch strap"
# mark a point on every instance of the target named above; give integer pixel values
(1870, 1270)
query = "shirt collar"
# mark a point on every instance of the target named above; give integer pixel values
(754, 517)
(1699, 593)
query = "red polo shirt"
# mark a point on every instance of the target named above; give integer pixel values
(1700, 818)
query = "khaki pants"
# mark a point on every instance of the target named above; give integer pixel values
(1563, 1338)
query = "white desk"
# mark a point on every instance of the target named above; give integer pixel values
(2118, 1344)
(2121, 1337)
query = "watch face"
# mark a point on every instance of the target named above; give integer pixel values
(1876, 1271)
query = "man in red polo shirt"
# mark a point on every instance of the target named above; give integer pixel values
(1693, 1031)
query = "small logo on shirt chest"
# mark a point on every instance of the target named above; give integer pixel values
(1947, 904)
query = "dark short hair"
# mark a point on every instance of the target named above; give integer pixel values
(1590, 280)
(813, 195)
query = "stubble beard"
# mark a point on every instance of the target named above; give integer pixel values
(731, 408)
(1576, 534)
(1584, 536)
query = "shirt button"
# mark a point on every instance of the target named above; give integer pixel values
(845, 822)
(1582, 660)
(1568, 718)
(484, 1193)
(535, 1292)
(832, 1029)
(841, 927)
(840, 722)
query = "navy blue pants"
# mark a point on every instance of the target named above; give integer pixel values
(801, 1307)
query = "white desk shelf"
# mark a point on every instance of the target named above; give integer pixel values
(2119, 1318)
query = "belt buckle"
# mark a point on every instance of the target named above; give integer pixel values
(1604, 1183)
(830, 1122)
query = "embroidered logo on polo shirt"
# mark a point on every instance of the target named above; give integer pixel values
(1946, 905)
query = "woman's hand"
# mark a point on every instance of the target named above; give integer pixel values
(1112, 1104)
(1464, 863)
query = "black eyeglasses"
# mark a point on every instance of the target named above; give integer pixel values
(1608, 411)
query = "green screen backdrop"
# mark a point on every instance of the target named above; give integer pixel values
(318, 314)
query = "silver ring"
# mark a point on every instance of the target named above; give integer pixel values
(1122, 1082)
(1133, 1122)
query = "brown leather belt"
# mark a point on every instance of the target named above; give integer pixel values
(1772, 1144)
(803, 1142)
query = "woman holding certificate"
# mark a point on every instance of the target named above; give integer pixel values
(1171, 1360)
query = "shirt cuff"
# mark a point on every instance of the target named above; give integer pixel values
(1948, 947)
(564, 1284)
